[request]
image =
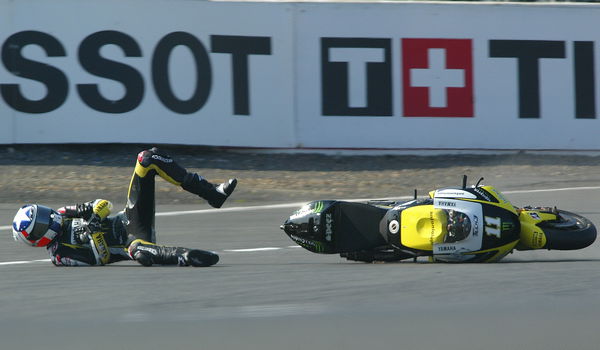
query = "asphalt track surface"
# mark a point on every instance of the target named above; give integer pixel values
(266, 293)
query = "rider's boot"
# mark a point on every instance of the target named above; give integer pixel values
(168, 169)
(148, 254)
(214, 194)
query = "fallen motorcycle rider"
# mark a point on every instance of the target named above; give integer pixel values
(85, 234)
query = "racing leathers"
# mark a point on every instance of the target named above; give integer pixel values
(90, 236)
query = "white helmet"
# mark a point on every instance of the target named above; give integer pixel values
(36, 225)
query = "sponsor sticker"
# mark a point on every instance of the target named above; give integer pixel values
(454, 193)
(538, 240)
(535, 216)
(328, 227)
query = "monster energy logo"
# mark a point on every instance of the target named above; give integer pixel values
(311, 245)
(318, 207)
(319, 247)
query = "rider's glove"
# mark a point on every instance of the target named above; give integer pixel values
(100, 207)
(81, 235)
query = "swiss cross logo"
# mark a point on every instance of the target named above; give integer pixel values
(437, 77)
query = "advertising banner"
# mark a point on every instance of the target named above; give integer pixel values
(448, 76)
(188, 72)
(300, 75)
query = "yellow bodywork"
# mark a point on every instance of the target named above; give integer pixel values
(532, 236)
(502, 201)
(422, 226)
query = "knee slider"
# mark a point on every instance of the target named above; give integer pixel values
(153, 156)
(143, 258)
(143, 252)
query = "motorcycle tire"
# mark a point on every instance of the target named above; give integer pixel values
(376, 255)
(571, 231)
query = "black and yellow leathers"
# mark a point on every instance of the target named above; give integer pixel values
(139, 211)
(91, 237)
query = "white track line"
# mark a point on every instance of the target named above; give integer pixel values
(252, 250)
(249, 250)
(290, 205)
(233, 209)
(555, 189)
(23, 262)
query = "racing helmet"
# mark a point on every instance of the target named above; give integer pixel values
(36, 225)
(459, 226)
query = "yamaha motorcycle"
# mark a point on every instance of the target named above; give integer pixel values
(463, 224)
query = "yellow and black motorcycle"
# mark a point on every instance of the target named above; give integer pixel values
(465, 224)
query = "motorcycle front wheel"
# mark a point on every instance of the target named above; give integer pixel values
(569, 232)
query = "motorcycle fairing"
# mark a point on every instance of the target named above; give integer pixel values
(311, 226)
(482, 194)
(330, 227)
(455, 251)
(359, 224)
(498, 199)
(495, 222)
(488, 255)
(501, 223)
(532, 236)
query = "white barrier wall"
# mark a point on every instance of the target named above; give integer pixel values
(315, 75)
(190, 72)
(448, 76)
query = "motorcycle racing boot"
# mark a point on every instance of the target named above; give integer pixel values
(148, 254)
(214, 194)
(163, 165)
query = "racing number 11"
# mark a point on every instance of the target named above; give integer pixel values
(492, 226)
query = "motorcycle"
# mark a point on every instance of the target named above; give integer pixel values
(462, 224)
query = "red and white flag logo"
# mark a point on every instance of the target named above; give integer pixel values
(437, 77)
